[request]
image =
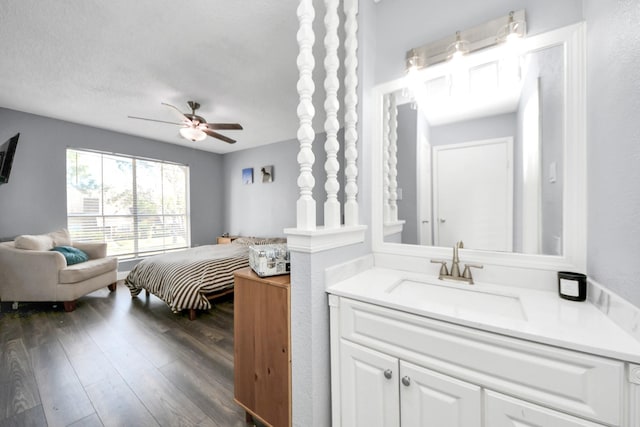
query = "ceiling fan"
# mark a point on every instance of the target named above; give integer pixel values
(194, 127)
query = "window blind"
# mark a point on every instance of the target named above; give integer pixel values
(137, 206)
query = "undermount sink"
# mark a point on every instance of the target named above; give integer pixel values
(458, 300)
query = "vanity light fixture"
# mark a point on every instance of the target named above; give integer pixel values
(466, 41)
(192, 133)
(414, 61)
(513, 30)
(458, 48)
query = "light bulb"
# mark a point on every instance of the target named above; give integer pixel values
(512, 31)
(413, 62)
(192, 134)
(458, 48)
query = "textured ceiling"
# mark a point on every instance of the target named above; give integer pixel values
(95, 62)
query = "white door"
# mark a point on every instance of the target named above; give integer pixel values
(473, 194)
(369, 387)
(431, 399)
(504, 411)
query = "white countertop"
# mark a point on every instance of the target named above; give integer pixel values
(534, 315)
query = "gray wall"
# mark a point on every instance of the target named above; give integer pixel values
(407, 172)
(613, 101)
(266, 209)
(261, 209)
(34, 200)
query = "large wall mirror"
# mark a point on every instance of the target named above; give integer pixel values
(489, 151)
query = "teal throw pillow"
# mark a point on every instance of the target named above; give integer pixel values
(73, 255)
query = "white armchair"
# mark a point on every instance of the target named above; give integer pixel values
(43, 275)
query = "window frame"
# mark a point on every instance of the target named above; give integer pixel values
(135, 215)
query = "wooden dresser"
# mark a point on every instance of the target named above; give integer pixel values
(262, 349)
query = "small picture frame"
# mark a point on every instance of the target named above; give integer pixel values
(247, 176)
(267, 173)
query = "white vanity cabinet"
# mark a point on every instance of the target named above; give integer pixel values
(399, 393)
(430, 398)
(375, 372)
(505, 411)
(393, 368)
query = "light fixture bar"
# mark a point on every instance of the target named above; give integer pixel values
(479, 37)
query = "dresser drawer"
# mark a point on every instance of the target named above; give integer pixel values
(573, 382)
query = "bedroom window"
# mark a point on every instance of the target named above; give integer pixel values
(138, 206)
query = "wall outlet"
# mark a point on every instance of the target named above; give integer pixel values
(557, 245)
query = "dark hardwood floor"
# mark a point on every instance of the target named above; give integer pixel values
(117, 361)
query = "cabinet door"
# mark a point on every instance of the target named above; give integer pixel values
(262, 361)
(369, 387)
(505, 411)
(431, 399)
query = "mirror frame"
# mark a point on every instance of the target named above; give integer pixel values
(572, 38)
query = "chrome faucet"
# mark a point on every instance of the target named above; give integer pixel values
(455, 267)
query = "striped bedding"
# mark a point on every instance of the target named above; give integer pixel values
(183, 279)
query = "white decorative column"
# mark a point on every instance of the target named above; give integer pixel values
(351, 213)
(331, 106)
(306, 206)
(385, 159)
(393, 158)
(307, 237)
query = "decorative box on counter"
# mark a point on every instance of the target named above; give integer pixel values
(270, 259)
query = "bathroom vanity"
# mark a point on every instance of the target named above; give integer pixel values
(411, 350)
(408, 349)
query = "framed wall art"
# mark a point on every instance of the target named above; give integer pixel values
(247, 176)
(267, 173)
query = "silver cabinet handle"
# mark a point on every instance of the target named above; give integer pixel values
(406, 381)
(425, 221)
(443, 220)
(388, 374)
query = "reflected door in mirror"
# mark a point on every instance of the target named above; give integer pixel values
(473, 194)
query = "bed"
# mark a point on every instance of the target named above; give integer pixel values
(190, 279)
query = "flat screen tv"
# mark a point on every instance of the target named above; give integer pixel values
(7, 151)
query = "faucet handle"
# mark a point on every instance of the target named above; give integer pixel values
(467, 271)
(443, 267)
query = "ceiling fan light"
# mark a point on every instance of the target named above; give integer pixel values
(192, 134)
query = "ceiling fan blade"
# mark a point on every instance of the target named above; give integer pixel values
(180, 113)
(231, 126)
(218, 136)
(154, 120)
